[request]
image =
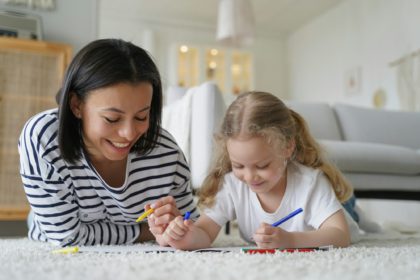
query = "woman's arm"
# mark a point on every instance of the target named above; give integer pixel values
(50, 192)
(333, 231)
(180, 199)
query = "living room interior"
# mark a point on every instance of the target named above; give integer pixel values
(350, 59)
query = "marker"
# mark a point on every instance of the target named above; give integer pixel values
(291, 215)
(144, 215)
(67, 250)
(187, 216)
(286, 250)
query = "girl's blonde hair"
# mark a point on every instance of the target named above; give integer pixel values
(263, 114)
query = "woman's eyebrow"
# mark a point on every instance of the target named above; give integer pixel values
(116, 110)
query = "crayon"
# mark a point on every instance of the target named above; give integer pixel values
(187, 216)
(144, 215)
(67, 250)
(291, 215)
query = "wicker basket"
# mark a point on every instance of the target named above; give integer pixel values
(30, 75)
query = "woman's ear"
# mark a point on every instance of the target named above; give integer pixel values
(75, 105)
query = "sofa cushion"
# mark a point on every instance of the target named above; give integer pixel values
(320, 118)
(384, 182)
(372, 157)
(379, 126)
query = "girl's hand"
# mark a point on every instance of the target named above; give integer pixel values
(269, 237)
(176, 231)
(165, 210)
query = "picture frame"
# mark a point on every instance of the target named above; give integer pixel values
(353, 81)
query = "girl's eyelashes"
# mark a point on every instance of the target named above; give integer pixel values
(264, 166)
(236, 166)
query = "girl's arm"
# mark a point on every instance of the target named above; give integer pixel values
(333, 231)
(186, 235)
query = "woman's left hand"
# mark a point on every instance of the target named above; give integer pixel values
(268, 237)
(165, 210)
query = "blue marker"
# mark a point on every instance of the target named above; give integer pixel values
(187, 216)
(291, 215)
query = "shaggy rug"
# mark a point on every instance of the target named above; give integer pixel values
(388, 255)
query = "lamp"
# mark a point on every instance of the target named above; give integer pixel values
(236, 23)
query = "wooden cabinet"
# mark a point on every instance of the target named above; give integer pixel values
(31, 73)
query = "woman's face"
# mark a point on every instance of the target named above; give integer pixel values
(113, 119)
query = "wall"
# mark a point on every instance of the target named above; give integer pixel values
(73, 22)
(364, 34)
(158, 36)
(78, 22)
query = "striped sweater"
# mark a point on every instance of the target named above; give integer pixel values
(73, 205)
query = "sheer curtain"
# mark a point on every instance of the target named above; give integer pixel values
(408, 78)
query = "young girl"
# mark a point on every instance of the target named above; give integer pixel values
(91, 167)
(267, 166)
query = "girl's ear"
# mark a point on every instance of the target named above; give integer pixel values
(75, 105)
(291, 145)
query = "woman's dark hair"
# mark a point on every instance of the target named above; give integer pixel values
(99, 64)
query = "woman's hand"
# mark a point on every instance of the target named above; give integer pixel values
(268, 237)
(165, 210)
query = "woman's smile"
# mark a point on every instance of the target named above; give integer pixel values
(120, 145)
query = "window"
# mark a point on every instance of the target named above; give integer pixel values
(230, 69)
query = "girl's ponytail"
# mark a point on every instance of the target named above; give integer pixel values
(309, 153)
(213, 181)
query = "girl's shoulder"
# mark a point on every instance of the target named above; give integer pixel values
(233, 185)
(230, 178)
(304, 174)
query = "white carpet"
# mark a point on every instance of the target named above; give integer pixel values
(382, 256)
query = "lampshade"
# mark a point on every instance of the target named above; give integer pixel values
(236, 23)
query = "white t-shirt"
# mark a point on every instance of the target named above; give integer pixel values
(307, 188)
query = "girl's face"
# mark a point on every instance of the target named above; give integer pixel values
(113, 119)
(257, 164)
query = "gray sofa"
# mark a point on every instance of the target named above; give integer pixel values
(377, 150)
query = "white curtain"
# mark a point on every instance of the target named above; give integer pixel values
(408, 77)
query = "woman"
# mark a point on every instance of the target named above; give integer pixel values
(92, 166)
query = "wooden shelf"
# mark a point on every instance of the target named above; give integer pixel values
(14, 213)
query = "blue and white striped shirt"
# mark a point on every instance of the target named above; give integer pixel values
(73, 205)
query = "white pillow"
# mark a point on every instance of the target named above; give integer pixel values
(174, 93)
